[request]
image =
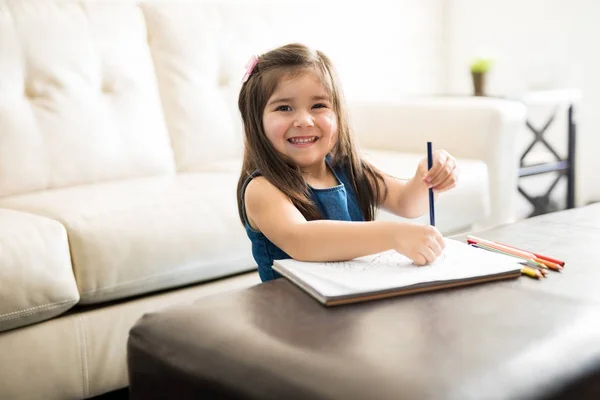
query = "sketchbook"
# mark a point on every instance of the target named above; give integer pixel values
(392, 274)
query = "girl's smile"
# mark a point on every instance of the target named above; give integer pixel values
(300, 122)
(303, 141)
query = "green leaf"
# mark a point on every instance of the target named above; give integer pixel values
(481, 65)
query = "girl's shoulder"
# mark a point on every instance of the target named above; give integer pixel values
(257, 193)
(257, 188)
(251, 176)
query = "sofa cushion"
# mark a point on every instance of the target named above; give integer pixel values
(82, 354)
(146, 234)
(199, 88)
(80, 102)
(36, 278)
(455, 210)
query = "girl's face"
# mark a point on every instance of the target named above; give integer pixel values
(299, 120)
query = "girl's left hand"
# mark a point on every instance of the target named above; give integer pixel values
(443, 174)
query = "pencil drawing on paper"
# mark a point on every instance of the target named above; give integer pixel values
(388, 259)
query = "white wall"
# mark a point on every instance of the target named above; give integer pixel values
(381, 49)
(386, 49)
(537, 44)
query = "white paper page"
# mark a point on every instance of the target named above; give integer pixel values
(391, 270)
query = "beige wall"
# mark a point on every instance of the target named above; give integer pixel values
(537, 44)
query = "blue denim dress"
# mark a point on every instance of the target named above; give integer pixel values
(336, 203)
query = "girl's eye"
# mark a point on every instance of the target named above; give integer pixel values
(283, 108)
(320, 105)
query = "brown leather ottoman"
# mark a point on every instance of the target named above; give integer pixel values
(521, 339)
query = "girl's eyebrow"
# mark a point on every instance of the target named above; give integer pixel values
(280, 100)
(290, 99)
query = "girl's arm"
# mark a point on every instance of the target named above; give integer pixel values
(271, 212)
(410, 199)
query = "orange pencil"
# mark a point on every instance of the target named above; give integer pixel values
(548, 264)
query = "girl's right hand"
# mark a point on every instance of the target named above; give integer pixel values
(423, 244)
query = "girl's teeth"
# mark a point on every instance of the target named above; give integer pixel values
(302, 141)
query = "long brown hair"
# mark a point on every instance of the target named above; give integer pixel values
(259, 154)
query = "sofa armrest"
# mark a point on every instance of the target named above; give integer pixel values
(467, 127)
(36, 275)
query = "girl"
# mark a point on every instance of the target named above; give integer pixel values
(305, 191)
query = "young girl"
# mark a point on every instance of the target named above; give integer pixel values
(304, 191)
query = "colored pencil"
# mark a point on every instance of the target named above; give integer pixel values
(522, 253)
(530, 267)
(529, 261)
(543, 257)
(531, 272)
(543, 271)
(518, 252)
(431, 200)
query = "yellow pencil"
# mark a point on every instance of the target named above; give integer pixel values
(544, 270)
(532, 272)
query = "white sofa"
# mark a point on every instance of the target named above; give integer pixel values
(119, 154)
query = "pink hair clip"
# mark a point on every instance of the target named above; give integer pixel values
(250, 67)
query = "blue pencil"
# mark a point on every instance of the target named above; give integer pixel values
(429, 165)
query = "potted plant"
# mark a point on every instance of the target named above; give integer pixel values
(479, 69)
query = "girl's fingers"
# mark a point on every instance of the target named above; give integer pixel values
(447, 184)
(445, 189)
(444, 172)
(439, 159)
(440, 240)
(436, 248)
(428, 254)
(419, 260)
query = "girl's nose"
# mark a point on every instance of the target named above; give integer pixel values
(303, 119)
